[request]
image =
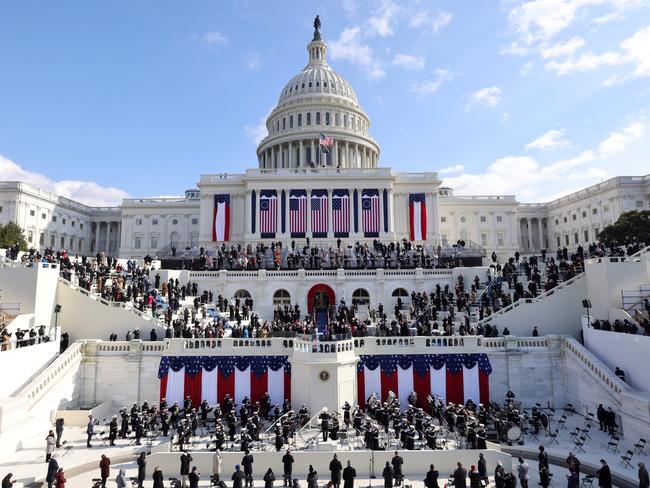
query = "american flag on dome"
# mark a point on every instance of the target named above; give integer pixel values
(212, 377)
(454, 377)
(326, 141)
(268, 213)
(341, 213)
(319, 213)
(370, 212)
(298, 213)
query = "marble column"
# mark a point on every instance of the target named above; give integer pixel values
(96, 250)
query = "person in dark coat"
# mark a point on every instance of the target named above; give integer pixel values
(544, 477)
(142, 468)
(312, 478)
(644, 481)
(247, 462)
(388, 475)
(460, 476)
(7, 482)
(604, 476)
(52, 468)
(573, 480)
(349, 473)
(335, 472)
(474, 477)
(499, 476)
(481, 465)
(157, 478)
(287, 467)
(431, 481)
(542, 458)
(186, 459)
(194, 478)
(397, 463)
(237, 478)
(104, 469)
(269, 478)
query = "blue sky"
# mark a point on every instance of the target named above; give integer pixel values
(101, 100)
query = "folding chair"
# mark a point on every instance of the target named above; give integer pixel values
(639, 447)
(575, 434)
(626, 458)
(585, 431)
(613, 444)
(579, 444)
(561, 424)
(569, 409)
(553, 437)
(587, 481)
(174, 483)
(97, 482)
(134, 482)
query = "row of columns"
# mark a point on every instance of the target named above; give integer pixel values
(105, 246)
(344, 154)
(532, 233)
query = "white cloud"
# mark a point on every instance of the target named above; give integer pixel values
(552, 139)
(257, 131)
(382, 23)
(562, 49)
(618, 141)
(349, 7)
(253, 62)
(213, 38)
(436, 21)
(408, 61)
(427, 88)
(457, 168)
(348, 47)
(586, 62)
(485, 97)
(87, 192)
(526, 68)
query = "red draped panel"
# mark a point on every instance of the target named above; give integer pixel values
(287, 386)
(361, 389)
(192, 388)
(388, 383)
(225, 386)
(163, 387)
(259, 386)
(455, 393)
(484, 387)
(422, 386)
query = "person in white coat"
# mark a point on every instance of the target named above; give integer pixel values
(216, 465)
(50, 444)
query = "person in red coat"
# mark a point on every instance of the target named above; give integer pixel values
(104, 469)
(60, 478)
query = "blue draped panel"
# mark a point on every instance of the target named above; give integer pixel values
(421, 362)
(227, 364)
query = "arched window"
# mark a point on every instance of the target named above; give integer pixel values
(290, 121)
(317, 118)
(337, 119)
(360, 296)
(284, 123)
(308, 118)
(327, 118)
(299, 120)
(281, 297)
(241, 294)
(345, 120)
(400, 292)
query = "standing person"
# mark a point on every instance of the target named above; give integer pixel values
(573, 463)
(544, 477)
(542, 458)
(194, 478)
(604, 476)
(644, 481)
(287, 468)
(247, 462)
(52, 468)
(90, 430)
(474, 477)
(157, 478)
(349, 473)
(7, 482)
(186, 459)
(431, 481)
(499, 475)
(335, 472)
(60, 478)
(387, 473)
(217, 464)
(58, 428)
(522, 472)
(397, 463)
(482, 467)
(120, 479)
(460, 476)
(269, 478)
(104, 469)
(50, 442)
(142, 468)
(573, 480)
(237, 477)
(312, 478)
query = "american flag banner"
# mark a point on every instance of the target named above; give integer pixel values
(268, 213)
(326, 141)
(417, 217)
(298, 213)
(211, 378)
(370, 212)
(341, 213)
(319, 213)
(221, 218)
(455, 378)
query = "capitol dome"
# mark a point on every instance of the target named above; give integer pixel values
(318, 103)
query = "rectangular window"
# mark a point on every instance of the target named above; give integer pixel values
(138, 242)
(41, 239)
(584, 214)
(499, 218)
(443, 219)
(43, 216)
(0, 208)
(565, 220)
(71, 243)
(154, 221)
(573, 217)
(52, 241)
(594, 211)
(64, 221)
(32, 213)
(586, 232)
(484, 240)
(299, 120)
(290, 121)
(72, 223)
(444, 239)
(500, 240)
(63, 243)
(54, 220)
(80, 245)
(81, 226)
(195, 221)
(30, 236)
(154, 243)
(575, 238)
(284, 123)
(639, 204)
(483, 218)
(138, 221)
(606, 208)
(558, 241)
(596, 232)
(309, 119)
(566, 239)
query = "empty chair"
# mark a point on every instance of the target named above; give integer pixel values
(612, 445)
(626, 458)
(587, 481)
(574, 434)
(579, 444)
(569, 409)
(639, 447)
(561, 424)
(553, 436)
(174, 483)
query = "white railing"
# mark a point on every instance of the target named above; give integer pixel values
(524, 301)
